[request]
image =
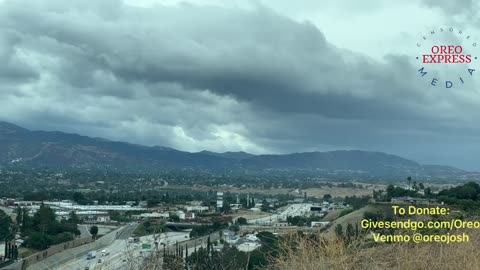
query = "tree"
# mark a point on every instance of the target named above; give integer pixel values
(373, 216)
(428, 192)
(421, 186)
(19, 218)
(267, 238)
(27, 223)
(117, 216)
(227, 258)
(265, 206)
(79, 198)
(43, 230)
(357, 202)
(235, 228)
(6, 227)
(73, 218)
(94, 231)
(390, 191)
(415, 187)
(174, 218)
(45, 221)
(226, 208)
(339, 230)
(468, 191)
(63, 237)
(152, 203)
(173, 262)
(409, 181)
(327, 197)
(200, 230)
(209, 245)
(349, 232)
(39, 240)
(141, 230)
(242, 221)
(399, 192)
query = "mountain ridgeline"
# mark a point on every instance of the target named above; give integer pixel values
(19, 146)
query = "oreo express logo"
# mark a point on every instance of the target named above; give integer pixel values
(446, 57)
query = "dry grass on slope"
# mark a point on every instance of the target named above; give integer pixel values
(322, 254)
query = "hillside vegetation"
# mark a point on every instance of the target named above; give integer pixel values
(319, 253)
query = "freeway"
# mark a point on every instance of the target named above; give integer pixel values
(127, 256)
(132, 254)
(128, 231)
(59, 260)
(186, 224)
(291, 210)
(122, 253)
(80, 260)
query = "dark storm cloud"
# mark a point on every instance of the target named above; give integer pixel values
(13, 67)
(204, 77)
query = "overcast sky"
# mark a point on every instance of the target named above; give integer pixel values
(270, 76)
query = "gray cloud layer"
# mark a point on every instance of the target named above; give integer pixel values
(204, 77)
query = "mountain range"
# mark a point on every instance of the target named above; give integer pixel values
(64, 150)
